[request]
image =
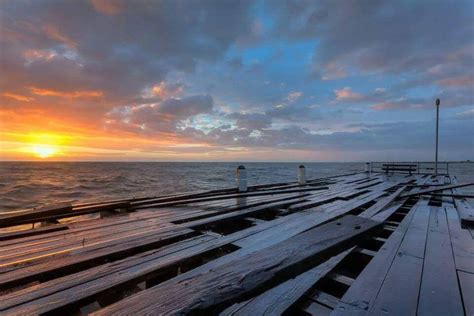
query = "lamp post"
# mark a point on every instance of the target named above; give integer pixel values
(437, 128)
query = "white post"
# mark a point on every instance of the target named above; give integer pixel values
(241, 178)
(437, 128)
(302, 175)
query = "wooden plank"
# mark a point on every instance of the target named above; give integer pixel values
(78, 240)
(455, 195)
(250, 275)
(306, 221)
(152, 204)
(51, 295)
(439, 293)
(405, 272)
(462, 242)
(87, 283)
(440, 188)
(32, 215)
(317, 309)
(80, 285)
(278, 299)
(466, 212)
(381, 204)
(119, 245)
(361, 296)
(75, 263)
(466, 281)
(32, 232)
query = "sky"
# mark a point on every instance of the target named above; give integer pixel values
(222, 80)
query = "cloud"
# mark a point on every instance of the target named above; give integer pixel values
(17, 97)
(187, 107)
(71, 94)
(466, 115)
(108, 7)
(53, 33)
(158, 117)
(346, 94)
(459, 81)
(165, 90)
(293, 96)
(251, 121)
(120, 55)
(232, 74)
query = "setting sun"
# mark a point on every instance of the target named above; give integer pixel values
(43, 151)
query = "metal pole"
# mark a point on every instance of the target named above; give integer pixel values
(437, 129)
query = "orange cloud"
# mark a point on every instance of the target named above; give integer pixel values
(17, 97)
(166, 91)
(108, 7)
(346, 94)
(52, 32)
(460, 81)
(74, 94)
(35, 54)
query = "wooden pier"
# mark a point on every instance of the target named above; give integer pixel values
(363, 243)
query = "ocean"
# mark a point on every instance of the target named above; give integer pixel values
(25, 185)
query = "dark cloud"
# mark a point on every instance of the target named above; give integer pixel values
(400, 136)
(158, 117)
(251, 122)
(118, 53)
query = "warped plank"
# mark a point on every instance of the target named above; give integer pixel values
(32, 215)
(32, 232)
(51, 295)
(381, 204)
(152, 204)
(360, 297)
(278, 299)
(101, 252)
(249, 275)
(440, 188)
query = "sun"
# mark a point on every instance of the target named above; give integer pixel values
(43, 151)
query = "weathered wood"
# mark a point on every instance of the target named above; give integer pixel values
(103, 251)
(202, 231)
(152, 204)
(255, 273)
(54, 212)
(405, 271)
(278, 299)
(466, 212)
(33, 215)
(439, 292)
(68, 289)
(457, 195)
(466, 282)
(360, 297)
(440, 188)
(462, 242)
(31, 232)
(381, 204)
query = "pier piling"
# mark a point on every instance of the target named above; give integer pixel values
(302, 175)
(241, 178)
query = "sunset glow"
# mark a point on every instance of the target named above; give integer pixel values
(43, 151)
(235, 80)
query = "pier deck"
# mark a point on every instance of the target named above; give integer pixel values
(364, 243)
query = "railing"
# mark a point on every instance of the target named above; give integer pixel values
(408, 167)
